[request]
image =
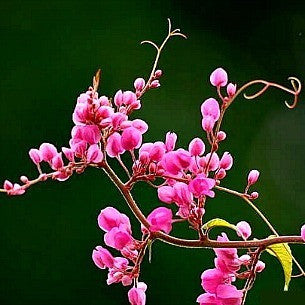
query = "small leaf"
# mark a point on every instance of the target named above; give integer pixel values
(218, 222)
(283, 254)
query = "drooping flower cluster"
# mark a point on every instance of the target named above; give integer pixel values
(118, 235)
(218, 282)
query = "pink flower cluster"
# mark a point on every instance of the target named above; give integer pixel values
(217, 282)
(118, 235)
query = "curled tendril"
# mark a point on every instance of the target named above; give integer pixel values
(170, 33)
(296, 85)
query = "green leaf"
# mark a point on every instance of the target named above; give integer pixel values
(218, 222)
(283, 254)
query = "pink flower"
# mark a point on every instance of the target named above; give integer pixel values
(214, 161)
(35, 155)
(182, 194)
(48, 151)
(118, 98)
(140, 125)
(174, 161)
(69, 154)
(208, 299)
(219, 77)
(165, 194)
(114, 146)
(202, 185)
(226, 161)
(253, 177)
(137, 296)
(208, 123)
(110, 218)
(89, 133)
(229, 294)
(170, 141)
(57, 162)
(196, 147)
(211, 278)
(243, 229)
(94, 154)
(210, 108)
(102, 258)
(118, 238)
(231, 89)
(157, 151)
(303, 232)
(260, 266)
(160, 219)
(139, 84)
(131, 138)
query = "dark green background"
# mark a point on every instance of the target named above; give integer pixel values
(49, 52)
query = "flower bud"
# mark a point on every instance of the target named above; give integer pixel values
(24, 179)
(219, 77)
(226, 161)
(243, 229)
(210, 107)
(196, 147)
(35, 155)
(8, 185)
(253, 177)
(260, 266)
(303, 232)
(221, 135)
(154, 84)
(170, 141)
(158, 73)
(139, 84)
(254, 195)
(231, 89)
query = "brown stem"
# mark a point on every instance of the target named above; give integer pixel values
(206, 243)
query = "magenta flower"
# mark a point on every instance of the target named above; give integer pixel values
(211, 279)
(231, 90)
(102, 258)
(202, 185)
(131, 138)
(219, 77)
(114, 147)
(226, 161)
(137, 296)
(166, 194)
(160, 219)
(110, 218)
(118, 237)
(48, 151)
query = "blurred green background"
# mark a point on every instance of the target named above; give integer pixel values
(49, 53)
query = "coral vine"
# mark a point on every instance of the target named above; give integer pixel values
(189, 177)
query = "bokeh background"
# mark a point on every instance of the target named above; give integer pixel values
(48, 55)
